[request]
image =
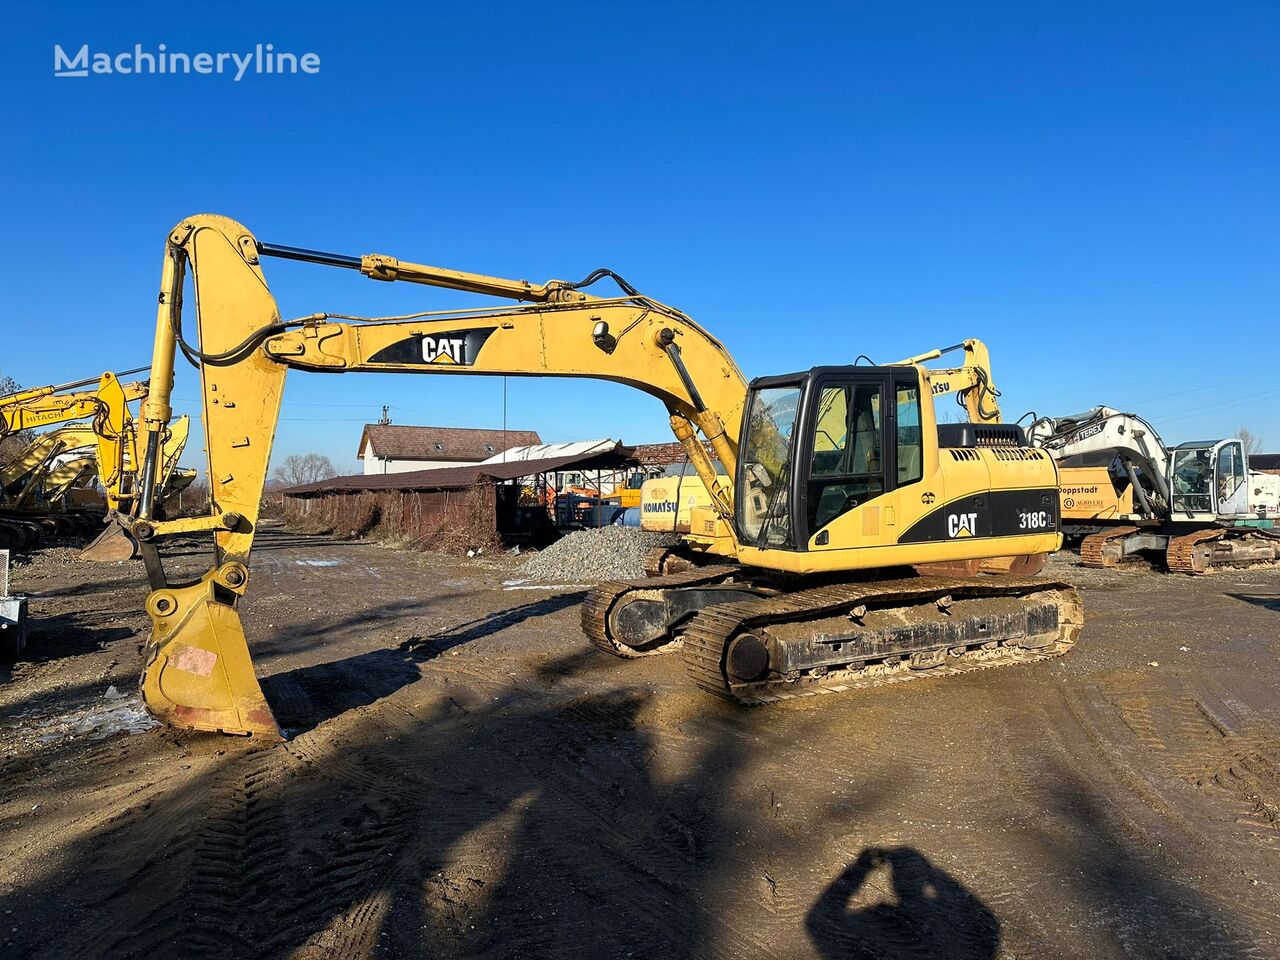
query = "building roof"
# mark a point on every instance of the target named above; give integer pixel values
(543, 451)
(664, 454)
(394, 441)
(1264, 461)
(457, 478)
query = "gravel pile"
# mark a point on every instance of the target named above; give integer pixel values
(610, 553)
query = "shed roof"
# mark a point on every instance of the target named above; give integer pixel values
(663, 454)
(544, 451)
(1264, 461)
(394, 441)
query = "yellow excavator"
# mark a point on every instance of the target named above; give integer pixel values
(53, 405)
(117, 452)
(53, 461)
(72, 473)
(39, 407)
(844, 555)
(22, 475)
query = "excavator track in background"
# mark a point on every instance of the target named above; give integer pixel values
(648, 622)
(845, 637)
(677, 558)
(660, 561)
(1223, 548)
(1093, 548)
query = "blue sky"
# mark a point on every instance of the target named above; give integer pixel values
(1091, 188)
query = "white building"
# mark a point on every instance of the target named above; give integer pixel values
(397, 448)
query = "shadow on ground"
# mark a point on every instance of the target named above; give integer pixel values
(308, 696)
(893, 902)
(508, 831)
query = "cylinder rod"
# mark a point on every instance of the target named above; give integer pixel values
(90, 380)
(308, 256)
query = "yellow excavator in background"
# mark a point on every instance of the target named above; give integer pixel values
(117, 472)
(667, 502)
(71, 481)
(21, 477)
(40, 407)
(830, 565)
(48, 466)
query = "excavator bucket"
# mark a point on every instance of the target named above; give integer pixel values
(198, 672)
(111, 545)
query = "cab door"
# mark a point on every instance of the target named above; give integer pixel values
(847, 456)
(1230, 491)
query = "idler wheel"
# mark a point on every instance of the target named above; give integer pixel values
(747, 658)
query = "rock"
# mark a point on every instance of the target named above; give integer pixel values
(609, 553)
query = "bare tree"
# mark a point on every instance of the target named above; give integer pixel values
(15, 443)
(300, 468)
(1251, 441)
(194, 499)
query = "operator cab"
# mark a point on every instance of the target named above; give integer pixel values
(854, 433)
(1207, 480)
(816, 445)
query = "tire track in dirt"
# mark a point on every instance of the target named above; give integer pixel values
(1197, 736)
(1157, 741)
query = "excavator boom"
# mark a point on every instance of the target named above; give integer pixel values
(970, 384)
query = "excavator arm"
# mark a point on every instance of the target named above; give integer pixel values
(20, 476)
(970, 383)
(1105, 437)
(74, 472)
(49, 406)
(198, 671)
(118, 467)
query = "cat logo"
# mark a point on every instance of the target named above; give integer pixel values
(962, 524)
(443, 350)
(454, 348)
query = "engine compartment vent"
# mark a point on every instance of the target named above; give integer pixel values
(981, 435)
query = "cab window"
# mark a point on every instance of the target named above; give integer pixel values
(910, 459)
(847, 468)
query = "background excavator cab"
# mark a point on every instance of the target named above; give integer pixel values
(1209, 480)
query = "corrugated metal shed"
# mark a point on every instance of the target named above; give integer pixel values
(664, 454)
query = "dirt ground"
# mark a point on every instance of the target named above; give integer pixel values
(466, 778)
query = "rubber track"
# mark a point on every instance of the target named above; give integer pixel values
(1091, 546)
(708, 633)
(1181, 553)
(600, 602)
